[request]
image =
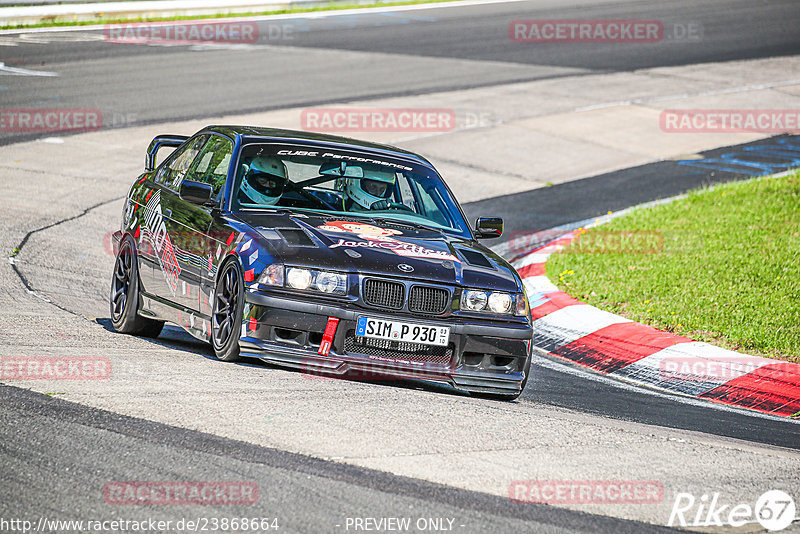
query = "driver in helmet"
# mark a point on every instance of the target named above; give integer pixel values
(264, 181)
(361, 194)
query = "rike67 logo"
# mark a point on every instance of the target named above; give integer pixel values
(775, 510)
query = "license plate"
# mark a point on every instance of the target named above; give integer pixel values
(397, 331)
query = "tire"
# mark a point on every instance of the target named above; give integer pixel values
(124, 297)
(227, 312)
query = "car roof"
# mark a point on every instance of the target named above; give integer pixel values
(257, 133)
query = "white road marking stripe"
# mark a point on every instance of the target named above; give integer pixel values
(538, 284)
(537, 299)
(691, 368)
(557, 364)
(15, 71)
(573, 322)
(530, 259)
(551, 249)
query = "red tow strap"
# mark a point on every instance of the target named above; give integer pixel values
(327, 337)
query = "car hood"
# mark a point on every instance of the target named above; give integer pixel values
(383, 247)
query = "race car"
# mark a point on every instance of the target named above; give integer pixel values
(322, 253)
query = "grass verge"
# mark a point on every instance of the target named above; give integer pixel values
(721, 266)
(332, 6)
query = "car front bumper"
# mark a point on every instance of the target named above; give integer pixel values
(482, 357)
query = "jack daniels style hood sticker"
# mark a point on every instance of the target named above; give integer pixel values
(375, 237)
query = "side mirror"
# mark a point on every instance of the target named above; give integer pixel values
(159, 141)
(196, 192)
(488, 227)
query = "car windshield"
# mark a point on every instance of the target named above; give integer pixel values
(338, 182)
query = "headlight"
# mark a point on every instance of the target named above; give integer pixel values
(500, 302)
(328, 282)
(474, 300)
(298, 278)
(304, 279)
(272, 275)
(496, 302)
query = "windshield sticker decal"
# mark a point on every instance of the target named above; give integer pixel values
(381, 238)
(344, 157)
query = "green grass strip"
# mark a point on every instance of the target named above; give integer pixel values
(721, 266)
(333, 6)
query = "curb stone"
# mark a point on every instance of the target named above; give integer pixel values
(612, 345)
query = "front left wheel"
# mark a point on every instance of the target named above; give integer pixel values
(124, 298)
(226, 315)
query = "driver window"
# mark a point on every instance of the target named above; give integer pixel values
(211, 166)
(174, 171)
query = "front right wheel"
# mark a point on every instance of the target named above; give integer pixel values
(226, 315)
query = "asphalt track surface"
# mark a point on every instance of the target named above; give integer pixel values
(303, 493)
(160, 84)
(396, 54)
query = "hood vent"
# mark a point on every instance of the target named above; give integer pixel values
(476, 258)
(295, 237)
